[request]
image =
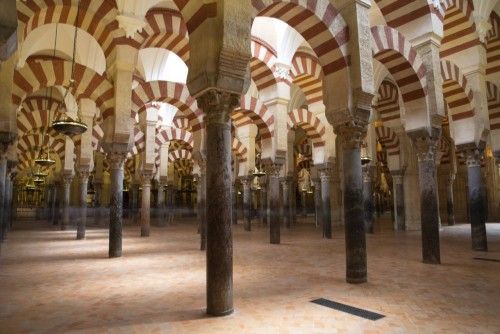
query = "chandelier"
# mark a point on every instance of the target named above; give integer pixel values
(365, 157)
(67, 125)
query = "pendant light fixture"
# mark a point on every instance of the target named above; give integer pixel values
(258, 172)
(67, 125)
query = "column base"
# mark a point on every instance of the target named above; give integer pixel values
(80, 236)
(221, 313)
(431, 261)
(115, 254)
(144, 232)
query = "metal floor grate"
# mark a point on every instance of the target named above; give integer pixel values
(348, 309)
(486, 259)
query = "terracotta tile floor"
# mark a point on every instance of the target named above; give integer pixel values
(50, 283)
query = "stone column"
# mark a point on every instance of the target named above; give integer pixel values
(450, 200)
(146, 203)
(218, 106)
(425, 147)
(202, 206)
(161, 204)
(57, 208)
(53, 197)
(82, 222)
(326, 218)
(247, 202)
(317, 200)
(3, 177)
(116, 161)
(263, 202)
(66, 181)
(303, 203)
(97, 201)
(287, 205)
(234, 197)
(399, 200)
(477, 200)
(273, 172)
(350, 135)
(369, 206)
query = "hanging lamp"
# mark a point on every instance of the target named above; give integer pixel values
(365, 157)
(67, 125)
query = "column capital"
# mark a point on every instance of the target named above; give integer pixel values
(218, 105)
(146, 177)
(273, 169)
(66, 178)
(425, 143)
(473, 153)
(351, 134)
(398, 176)
(83, 174)
(116, 160)
(246, 180)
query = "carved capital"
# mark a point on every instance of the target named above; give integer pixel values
(425, 143)
(66, 179)
(351, 134)
(218, 105)
(273, 169)
(116, 160)
(398, 176)
(146, 177)
(473, 154)
(83, 175)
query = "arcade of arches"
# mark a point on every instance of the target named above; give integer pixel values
(334, 136)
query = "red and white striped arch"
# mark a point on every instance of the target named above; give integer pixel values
(403, 62)
(493, 45)
(459, 28)
(315, 130)
(387, 103)
(97, 18)
(388, 139)
(261, 64)
(239, 150)
(176, 94)
(443, 152)
(307, 74)
(179, 154)
(166, 29)
(181, 122)
(29, 145)
(38, 74)
(170, 134)
(183, 167)
(139, 142)
(398, 13)
(35, 112)
(318, 22)
(457, 93)
(252, 111)
(493, 94)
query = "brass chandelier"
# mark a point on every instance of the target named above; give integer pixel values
(67, 125)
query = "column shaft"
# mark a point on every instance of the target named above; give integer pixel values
(477, 210)
(426, 148)
(67, 178)
(326, 212)
(82, 222)
(247, 203)
(450, 206)
(116, 161)
(399, 201)
(146, 204)
(351, 137)
(369, 206)
(287, 207)
(317, 201)
(274, 199)
(3, 177)
(218, 106)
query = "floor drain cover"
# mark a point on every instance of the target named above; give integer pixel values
(485, 259)
(348, 309)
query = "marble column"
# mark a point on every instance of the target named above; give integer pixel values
(234, 197)
(350, 136)
(66, 181)
(303, 203)
(263, 202)
(399, 200)
(82, 222)
(202, 208)
(286, 182)
(97, 201)
(53, 197)
(247, 202)
(57, 204)
(160, 205)
(273, 172)
(116, 162)
(426, 147)
(369, 205)
(3, 179)
(450, 202)
(325, 172)
(218, 106)
(146, 203)
(317, 200)
(477, 201)
(8, 198)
